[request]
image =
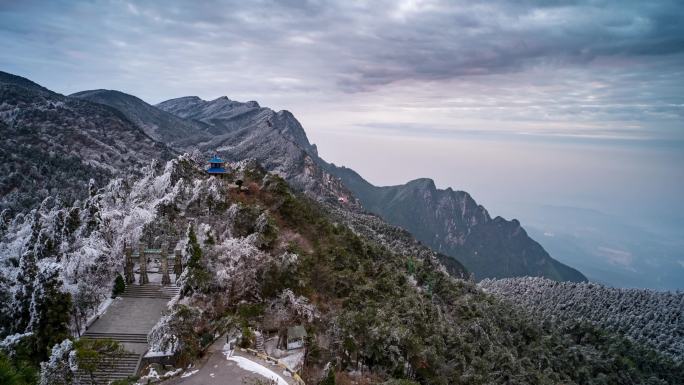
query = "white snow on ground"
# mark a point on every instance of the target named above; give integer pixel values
(261, 370)
(188, 374)
(159, 354)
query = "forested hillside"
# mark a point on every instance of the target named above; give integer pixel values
(646, 316)
(452, 223)
(394, 314)
(52, 145)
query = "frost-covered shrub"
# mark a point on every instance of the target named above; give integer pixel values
(181, 332)
(60, 368)
(288, 307)
(161, 339)
(236, 265)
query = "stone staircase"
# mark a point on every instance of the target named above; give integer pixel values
(151, 291)
(133, 336)
(110, 370)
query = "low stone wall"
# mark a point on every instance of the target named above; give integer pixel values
(159, 360)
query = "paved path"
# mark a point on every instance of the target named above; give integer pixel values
(218, 370)
(128, 320)
(130, 315)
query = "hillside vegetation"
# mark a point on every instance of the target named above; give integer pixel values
(367, 308)
(647, 316)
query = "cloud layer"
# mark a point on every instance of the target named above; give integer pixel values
(583, 67)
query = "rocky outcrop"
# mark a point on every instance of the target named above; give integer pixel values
(452, 223)
(274, 139)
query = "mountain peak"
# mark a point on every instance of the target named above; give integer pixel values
(424, 183)
(158, 124)
(10, 79)
(452, 223)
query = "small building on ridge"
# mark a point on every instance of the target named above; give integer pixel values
(217, 166)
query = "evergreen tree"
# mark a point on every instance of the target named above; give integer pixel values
(4, 221)
(22, 298)
(193, 249)
(329, 378)
(57, 369)
(199, 278)
(5, 307)
(119, 286)
(50, 310)
(13, 373)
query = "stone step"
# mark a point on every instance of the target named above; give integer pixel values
(127, 370)
(100, 380)
(142, 339)
(151, 287)
(151, 291)
(126, 367)
(112, 369)
(151, 296)
(259, 342)
(119, 337)
(124, 357)
(106, 376)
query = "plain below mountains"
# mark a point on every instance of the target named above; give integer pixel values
(448, 221)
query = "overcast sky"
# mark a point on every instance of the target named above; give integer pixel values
(530, 93)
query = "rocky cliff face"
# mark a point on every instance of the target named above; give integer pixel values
(275, 139)
(233, 130)
(52, 145)
(452, 223)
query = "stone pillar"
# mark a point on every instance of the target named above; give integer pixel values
(178, 264)
(166, 280)
(143, 265)
(128, 267)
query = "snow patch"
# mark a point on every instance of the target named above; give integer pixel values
(261, 370)
(190, 373)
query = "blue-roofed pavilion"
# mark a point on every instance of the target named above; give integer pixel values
(216, 166)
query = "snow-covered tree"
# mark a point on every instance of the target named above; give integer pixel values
(60, 368)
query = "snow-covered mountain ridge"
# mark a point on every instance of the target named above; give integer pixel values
(267, 256)
(53, 145)
(448, 221)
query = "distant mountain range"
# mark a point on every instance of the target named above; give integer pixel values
(128, 132)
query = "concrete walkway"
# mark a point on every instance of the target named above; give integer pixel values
(218, 370)
(130, 316)
(128, 320)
